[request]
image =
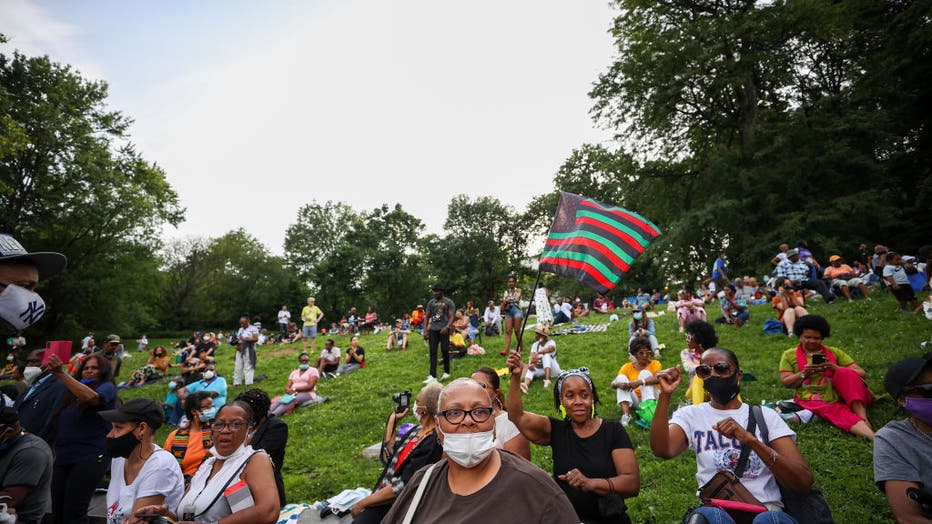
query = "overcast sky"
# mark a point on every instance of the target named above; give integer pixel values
(256, 108)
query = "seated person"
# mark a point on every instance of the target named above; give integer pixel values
(191, 443)
(579, 309)
(25, 471)
(355, 358)
(563, 312)
(799, 275)
(371, 321)
(641, 326)
(700, 336)
(206, 347)
(462, 327)
(417, 318)
(155, 368)
(789, 305)
(843, 278)
(329, 359)
(827, 381)
(688, 307)
(742, 291)
(642, 299)
(543, 360)
(172, 405)
(492, 317)
(734, 310)
(636, 381)
(300, 389)
(398, 336)
(192, 370)
(903, 449)
(602, 304)
(211, 383)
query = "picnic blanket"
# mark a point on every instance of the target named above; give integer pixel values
(577, 329)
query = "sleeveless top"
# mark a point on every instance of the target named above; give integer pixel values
(204, 498)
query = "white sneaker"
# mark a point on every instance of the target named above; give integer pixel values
(445, 376)
(625, 419)
(429, 379)
(546, 384)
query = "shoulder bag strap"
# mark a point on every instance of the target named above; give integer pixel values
(746, 450)
(412, 508)
(229, 481)
(758, 415)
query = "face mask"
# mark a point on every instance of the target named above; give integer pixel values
(920, 408)
(208, 375)
(20, 307)
(171, 386)
(722, 389)
(304, 367)
(31, 372)
(122, 446)
(9, 358)
(88, 381)
(637, 316)
(414, 408)
(469, 449)
(216, 454)
(208, 414)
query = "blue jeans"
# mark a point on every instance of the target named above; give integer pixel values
(719, 516)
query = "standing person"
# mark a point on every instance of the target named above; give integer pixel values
(25, 470)
(141, 473)
(142, 343)
(81, 441)
(38, 404)
(284, 317)
(592, 457)
(903, 448)
(245, 364)
(511, 311)
(719, 273)
(723, 420)
(311, 315)
(542, 306)
(270, 434)
(437, 328)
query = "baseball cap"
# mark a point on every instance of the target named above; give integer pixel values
(112, 338)
(49, 264)
(137, 410)
(834, 258)
(791, 252)
(903, 373)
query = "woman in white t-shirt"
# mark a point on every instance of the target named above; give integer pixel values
(543, 361)
(141, 473)
(716, 432)
(507, 435)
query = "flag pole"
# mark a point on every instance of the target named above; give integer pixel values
(526, 310)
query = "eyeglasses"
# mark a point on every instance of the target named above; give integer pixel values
(232, 426)
(456, 416)
(722, 369)
(924, 390)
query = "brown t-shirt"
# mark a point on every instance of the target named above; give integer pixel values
(520, 492)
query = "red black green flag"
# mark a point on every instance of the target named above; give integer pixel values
(594, 243)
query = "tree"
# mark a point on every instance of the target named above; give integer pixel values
(71, 181)
(315, 235)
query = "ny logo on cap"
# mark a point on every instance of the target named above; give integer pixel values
(33, 312)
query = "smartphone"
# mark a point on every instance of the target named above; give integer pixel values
(818, 358)
(154, 518)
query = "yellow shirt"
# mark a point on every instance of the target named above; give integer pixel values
(632, 372)
(310, 314)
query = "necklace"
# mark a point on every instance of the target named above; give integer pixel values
(923, 434)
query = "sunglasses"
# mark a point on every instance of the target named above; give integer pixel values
(924, 390)
(722, 369)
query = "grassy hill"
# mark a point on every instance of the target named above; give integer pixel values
(323, 455)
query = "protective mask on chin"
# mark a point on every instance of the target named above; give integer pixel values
(31, 372)
(722, 389)
(20, 307)
(216, 454)
(469, 449)
(208, 375)
(920, 408)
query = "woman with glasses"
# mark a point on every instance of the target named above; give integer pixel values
(593, 458)
(715, 431)
(402, 455)
(700, 336)
(827, 381)
(636, 381)
(903, 448)
(477, 482)
(507, 435)
(235, 485)
(301, 388)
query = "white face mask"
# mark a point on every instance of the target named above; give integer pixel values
(414, 408)
(208, 375)
(236, 452)
(468, 449)
(20, 307)
(31, 372)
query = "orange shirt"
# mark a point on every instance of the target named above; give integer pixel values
(632, 372)
(194, 455)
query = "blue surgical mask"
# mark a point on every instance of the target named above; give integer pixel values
(171, 385)
(88, 381)
(208, 414)
(637, 316)
(304, 367)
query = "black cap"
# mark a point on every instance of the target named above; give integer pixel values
(904, 373)
(438, 287)
(48, 264)
(137, 410)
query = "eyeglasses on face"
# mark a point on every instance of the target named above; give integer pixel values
(456, 416)
(232, 426)
(722, 369)
(924, 390)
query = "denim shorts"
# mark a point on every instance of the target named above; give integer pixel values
(513, 311)
(309, 331)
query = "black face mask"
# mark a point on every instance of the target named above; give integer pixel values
(122, 446)
(722, 389)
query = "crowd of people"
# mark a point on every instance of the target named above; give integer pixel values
(223, 460)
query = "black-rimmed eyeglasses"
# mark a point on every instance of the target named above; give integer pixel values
(456, 416)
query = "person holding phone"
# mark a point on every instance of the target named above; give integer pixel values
(827, 381)
(789, 305)
(403, 454)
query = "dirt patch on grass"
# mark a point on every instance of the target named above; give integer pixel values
(281, 352)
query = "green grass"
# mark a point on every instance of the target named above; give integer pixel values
(323, 455)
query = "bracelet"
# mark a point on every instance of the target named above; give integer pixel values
(611, 486)
(803, 374)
